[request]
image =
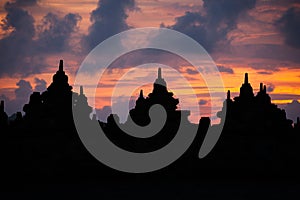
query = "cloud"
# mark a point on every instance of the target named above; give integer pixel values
(293, 110)
(16, 48)
(24, 49)
(264, 57)
(24, 88)
(270, 87)
(265, 73)
(225, 69)
(24, 3)
(284, 96)
(182, 6)
(41, 85)
(55, 32)
(202, 102)
(103, 113)
(191, 71)
(22, 94)
(211, 28)
(107, 19)
(289, 26)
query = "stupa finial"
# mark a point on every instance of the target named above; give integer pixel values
(246, 78)
(81, 90)
(61, 66)
(261, 87)
(141, 94)
(159, 76)
(228, 95)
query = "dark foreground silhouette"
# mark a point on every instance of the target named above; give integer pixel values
(258, 142)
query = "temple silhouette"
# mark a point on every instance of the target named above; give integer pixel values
(257, 114)
(159, 95)
(257, 139)
(140, 115)
(53, 108)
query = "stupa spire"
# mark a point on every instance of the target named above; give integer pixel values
(159, 76)
(81, 90)
(61, 66)
(246, 91)
(2, 106)
(246, 78)
(261, 87)
(141, 94)
(160, 80)
(228, 95)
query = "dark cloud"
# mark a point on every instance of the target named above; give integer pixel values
(16, 48)
(211, 28)
(55, 32)
(268, 68)
(24, 88)
(225, 69)
(103, 113)
(18, 19)
(270, 87)
(284, 96)
(107, 19)
(278, 2)
(202, 102)
(265, 73)
(289, 26)
(24, 3)
(277, 56)
(24, 49)
(293, 110)
(22, 94)
(41, 85)
(191, 71)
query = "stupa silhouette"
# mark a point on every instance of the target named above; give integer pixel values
(53, 108)
(140, 116)
(255, 114)
(159, 95)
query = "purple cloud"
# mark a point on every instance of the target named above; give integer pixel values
(202, 102)
(225, 69)
(211, 28)
(289, 26)
(107, 19)
(22, 94)
(293, 110)
(24, 49)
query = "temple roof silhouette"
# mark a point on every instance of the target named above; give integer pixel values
(253, 111)
(246, 91)
(159, 95)
(53, 108)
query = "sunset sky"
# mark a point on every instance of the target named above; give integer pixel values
(261, 37)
